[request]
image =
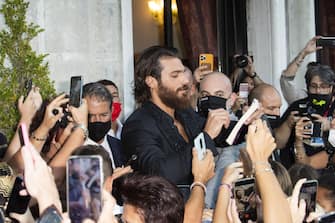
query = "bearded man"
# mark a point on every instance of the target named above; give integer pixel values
(161, 131)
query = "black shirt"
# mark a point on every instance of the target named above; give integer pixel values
(150, 133)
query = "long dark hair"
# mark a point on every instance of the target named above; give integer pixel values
(148, 64)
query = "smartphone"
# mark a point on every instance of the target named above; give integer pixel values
(308, 193)
(17, 203)
(23, 134)
(315, 129)
(247, 163)
(84, 187)
(207, 59)
(326, 41)
(200, 145)
(246, 199)
(76, 91)
(327, 218)
(28, 85)
(243, 90)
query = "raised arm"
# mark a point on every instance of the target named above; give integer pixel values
(232, 173)
(202, 171)
(260, 145)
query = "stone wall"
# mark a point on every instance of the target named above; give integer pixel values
(85, 37)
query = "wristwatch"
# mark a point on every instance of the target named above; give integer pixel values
(253, 75)
(50, 215)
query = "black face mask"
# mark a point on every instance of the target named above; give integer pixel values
(210, 102)
(320, 102)
(98, 130)
(273, 120)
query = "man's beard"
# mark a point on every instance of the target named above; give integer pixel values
(171, 98)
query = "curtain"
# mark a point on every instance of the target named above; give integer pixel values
(198, 26)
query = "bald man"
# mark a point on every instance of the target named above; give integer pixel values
(216, 84)
(270, 99)
(216, 93)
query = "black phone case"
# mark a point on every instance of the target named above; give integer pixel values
(76, 89)
(308, 193)
(17, 203)
(330, 41)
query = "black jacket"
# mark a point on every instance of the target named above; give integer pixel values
(150, 134)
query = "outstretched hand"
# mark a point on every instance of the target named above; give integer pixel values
(311, 46)
(29, 106)
(260, 143)
(202, 170)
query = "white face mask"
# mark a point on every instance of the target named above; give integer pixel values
(331, 137)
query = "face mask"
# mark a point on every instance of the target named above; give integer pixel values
(210, 102)
(319, 102)
(98, 130)
(116, 110)
(274, 120)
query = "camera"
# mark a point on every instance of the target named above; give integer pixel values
(64, 120)
(241, 61)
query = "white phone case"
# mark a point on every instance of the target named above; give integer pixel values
(200, 145)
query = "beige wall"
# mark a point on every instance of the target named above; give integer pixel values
(147, 32)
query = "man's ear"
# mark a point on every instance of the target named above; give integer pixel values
(151, 81)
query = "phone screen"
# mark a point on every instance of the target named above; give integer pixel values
(246, 199)
(243, 90)
(17, 203)
(308, 193)
(76, 91)
(84, 187)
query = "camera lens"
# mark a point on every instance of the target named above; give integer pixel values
(241, 61)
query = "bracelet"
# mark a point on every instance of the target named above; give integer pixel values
(82, 127)
(197, 183)
(42, 139)
(50, 214)
(267, 167)
(228, 186)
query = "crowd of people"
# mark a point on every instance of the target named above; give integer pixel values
(82, 164)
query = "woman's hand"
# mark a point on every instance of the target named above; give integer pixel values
(260, 143)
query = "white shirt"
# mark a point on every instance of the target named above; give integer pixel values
(105, 145)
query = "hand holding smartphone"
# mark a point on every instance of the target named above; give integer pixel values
(200, 146)
(308, 193)
(246, 199)
(84, 187)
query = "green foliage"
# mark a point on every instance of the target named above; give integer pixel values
(19, 63)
